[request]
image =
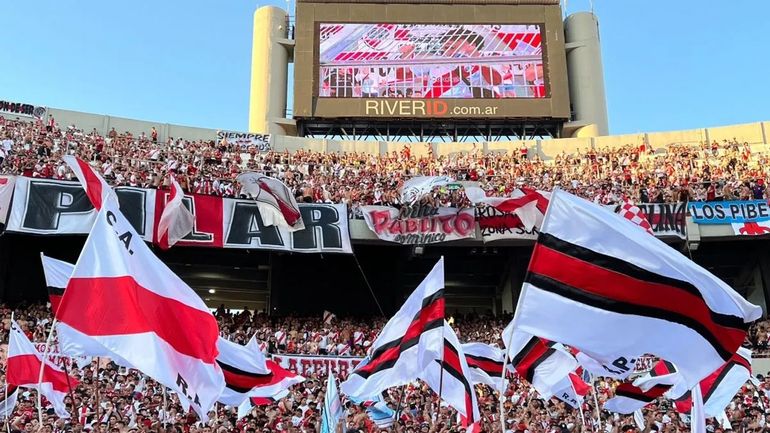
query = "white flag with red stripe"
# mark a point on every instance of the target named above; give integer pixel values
(277, 205)
(8, 401)
(23, 369)
(176, 221)
(122, 302)
(244, 368)
(540, 362)
(57, 274)
(450, 377)
(96, 188)
(486, 364)
(598, 283)
(528, 204)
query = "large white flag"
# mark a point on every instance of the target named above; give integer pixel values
(244, 368)
(540, 362)
(176, 221)
(415, 188)
(23, 369)
(486, 364)
(408, 343)
(528, 204)
(450, 377)
(122, 302)
(597, 283)
(275, 202)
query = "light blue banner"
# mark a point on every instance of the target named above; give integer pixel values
(729, 212)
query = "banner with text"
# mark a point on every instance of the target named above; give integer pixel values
(6, 192)
(245, 140)
(305, 365)
(419, 224)
(747, 217)
(56, 207)
(666, 219)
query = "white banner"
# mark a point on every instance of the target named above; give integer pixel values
(245, 140)
(305, 365)
(420, 224)
(6, 192)
(44, 206)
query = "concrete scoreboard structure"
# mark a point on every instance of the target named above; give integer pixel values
(382, 69)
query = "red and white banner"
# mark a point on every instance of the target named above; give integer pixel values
(6, 192)
(307, 365)
(420, 225)
(55, 207)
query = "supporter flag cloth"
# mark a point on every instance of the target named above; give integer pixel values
(279, 380)
(635, 214)
(571, 390)
(618, 368)
(57, 275)
(275, 202)
(96, 188)
(244, 368)
(719, 388)
(408, 343)
(629, 398)
(450, 377)
(8, 401)
(528, 204)
(662, 373)
(486, 364)
(417, 187)
(332, 410)
(328, 317)
(23, 369)
(597, 283)
(122, 302)
(176, 221)
(541, 363)
(378, 411)
(249, 403)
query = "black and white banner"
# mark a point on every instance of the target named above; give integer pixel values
(54, 207)
(6, 192)
(245, 140)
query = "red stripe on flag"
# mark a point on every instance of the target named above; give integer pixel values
(453, 365)
(289, 213)
(24, 370)
(526, 366)
(606, 283)
(490, 366)
(104, 306)
(92, 182)
(245, 381)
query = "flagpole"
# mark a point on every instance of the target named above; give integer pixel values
(596, 403)
(69, 386)
(96, 389)
(441, 370)
(165, 408)
(398, 406)
(5, 404)
(42, 369)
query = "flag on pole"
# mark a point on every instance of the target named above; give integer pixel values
(176, 221)
(244, 368)
(275, 201)
(328, 317)
(8, 404)
(540, 362)
(96, 188)
(272, 388)
(663, 373)
(485, 363)
(408, 343)
(57, 275)
(450, 377)
(571, 390)
(598, 283)
(23, 369)
(332, 411)
(629, 398)
(122, 302)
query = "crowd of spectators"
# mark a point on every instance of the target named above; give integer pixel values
(679, 172)
(113, 400)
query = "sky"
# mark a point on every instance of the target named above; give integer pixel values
(669, 64)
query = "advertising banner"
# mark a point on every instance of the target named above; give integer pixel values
(306, 365)
(419, 224)
(246, 140)
(56, 207)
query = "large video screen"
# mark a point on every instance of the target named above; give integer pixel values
(426, 61)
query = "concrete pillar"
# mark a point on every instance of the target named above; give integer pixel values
(269, 71)
(585, 71)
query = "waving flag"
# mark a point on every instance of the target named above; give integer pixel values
(635, 214)
(450, 377)
(719, 388)
(417, 187)
(332, 410)
(571, 390)
(629, 398)
(598, 283)
(96, 188)
(486, 364)
(408, 343)
(244, 368)
(276, 203)
(23, 369)
(57, 274)
(176, 221)
(273, 387)
(122, 302)
(526, 203)
(541, 363)
(663, 373)
(8, 401)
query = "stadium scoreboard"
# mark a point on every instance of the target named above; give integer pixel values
(471, 59)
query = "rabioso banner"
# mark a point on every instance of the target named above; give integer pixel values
(419, 224)
(54, 207)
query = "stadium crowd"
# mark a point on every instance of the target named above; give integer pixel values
(708, 171)
(109, 399)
